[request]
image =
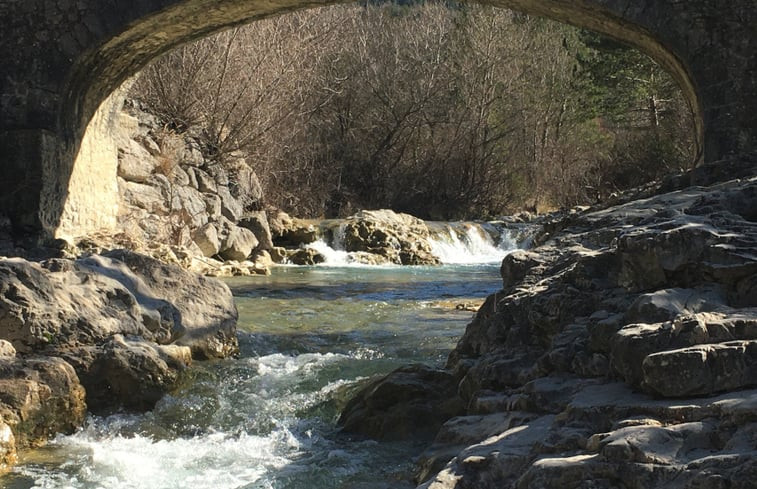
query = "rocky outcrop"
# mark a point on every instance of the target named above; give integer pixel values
(170, 193)
(121, 327)
(369, 237)
(64, 303)
(594, 363)
(289, 232)
(400, 238)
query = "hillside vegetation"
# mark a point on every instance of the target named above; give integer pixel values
(443, 111)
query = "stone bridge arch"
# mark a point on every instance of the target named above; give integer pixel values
(64, 58)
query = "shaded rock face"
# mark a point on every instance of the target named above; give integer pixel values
(400, 238)
(411, 402)
(133, 374)
(594, 364)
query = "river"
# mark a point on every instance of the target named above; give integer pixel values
(309, 338)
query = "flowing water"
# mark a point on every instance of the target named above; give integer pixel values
(309, 338)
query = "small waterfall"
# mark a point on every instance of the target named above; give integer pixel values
(334, 251)
(454, 243)
(461, 243)
(334, 257)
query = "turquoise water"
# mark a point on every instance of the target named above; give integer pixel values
(309, 337)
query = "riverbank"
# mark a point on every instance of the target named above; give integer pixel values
(620, 350)
(99, 333)
(308, 338)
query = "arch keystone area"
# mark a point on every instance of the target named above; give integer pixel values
(64, 59)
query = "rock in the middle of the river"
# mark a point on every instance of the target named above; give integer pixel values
(400, 238)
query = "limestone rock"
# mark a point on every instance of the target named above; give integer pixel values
(144, 196)
(230, 207)
(289, 232)
(632, 344)
(219, 174)
(206, 238)
(516, 265)
(205, 183)
(213, 206)
(279, 221)
(180, 177)
(204, 306)
(305, 256)
(702, 370)
(62, 304)
(190, 205)
(410, 403)
(135, 163)
(124, 373)
(401, 238)
(667, 304)
(6, 349)
(257, 222)
(239, 244)
(600, 352)
(245, 186)
(39, 397)
(192, 175)
(278, 254)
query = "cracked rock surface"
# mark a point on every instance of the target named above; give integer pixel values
(621, 352)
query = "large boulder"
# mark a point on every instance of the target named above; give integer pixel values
(401, 238)
(61, 303)
(410, 403)
(305, 256)
(206, 238)
(39, 397)
(205, 308)
(257, 222)
(64, 303)
(127, 373)
(290, 232)
(239, 244)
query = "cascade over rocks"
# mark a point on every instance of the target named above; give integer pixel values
(595, 364)
(374, 237)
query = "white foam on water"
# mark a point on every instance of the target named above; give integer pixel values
(280, 365)
(468, 243)
(334, 257)
(458, 244)
(102, 456)
(214, 460)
